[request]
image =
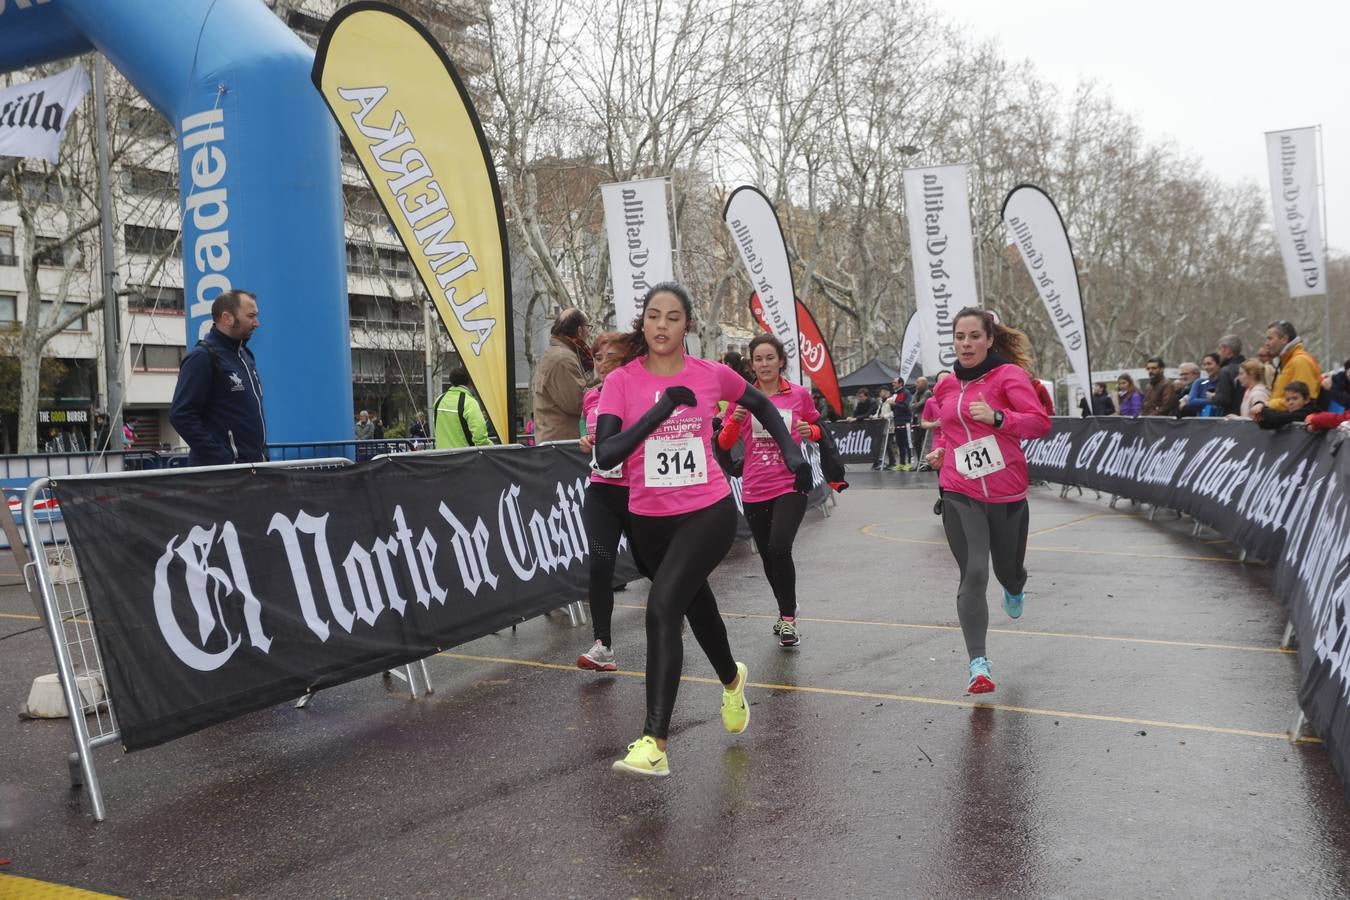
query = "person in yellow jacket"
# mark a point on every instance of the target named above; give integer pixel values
(1296, 363)
(459, 417)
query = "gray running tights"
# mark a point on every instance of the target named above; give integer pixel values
(975, 532)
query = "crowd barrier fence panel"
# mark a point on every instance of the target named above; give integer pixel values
(65, 609)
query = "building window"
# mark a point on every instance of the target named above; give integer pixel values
(371, 311)
(51, 253)
(155, 299)
(346, 149)
(37, 188)
(363, 206)
(9, 311)
(363, 259)
(157, 357)
(79, 324)
(151, 241)
(368, 366)
(148, 181)
(312, 26)
(7, 254)
(144, 122)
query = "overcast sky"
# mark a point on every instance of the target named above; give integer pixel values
(1212, 76)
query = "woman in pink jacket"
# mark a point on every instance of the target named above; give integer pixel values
(987, 410)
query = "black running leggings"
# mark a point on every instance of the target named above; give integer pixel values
(606, 518)
(682, 552)
(774, 524)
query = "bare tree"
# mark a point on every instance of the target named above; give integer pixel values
(59, 213)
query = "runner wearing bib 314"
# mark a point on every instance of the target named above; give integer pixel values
(655, 418)
(986, 412)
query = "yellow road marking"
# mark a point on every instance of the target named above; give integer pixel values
(29, 617)
(1067, 524)
(18, 888)
(867, 531)
(1190, 645)
(909, 698)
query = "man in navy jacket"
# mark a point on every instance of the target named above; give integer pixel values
(217, 405)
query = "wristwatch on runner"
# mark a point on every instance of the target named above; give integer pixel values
(998, 418)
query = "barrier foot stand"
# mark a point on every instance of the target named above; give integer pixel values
(1195, 531)
(1289, 639)
(408, 677)
(1114, 498)
(1299, 730)
(1152, 511)
(1242, 556)
(576, 614)
(303, 702)
(426, 678)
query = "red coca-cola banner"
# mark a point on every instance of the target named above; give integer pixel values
(815, 355)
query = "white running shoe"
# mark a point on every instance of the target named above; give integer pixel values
(598, 659)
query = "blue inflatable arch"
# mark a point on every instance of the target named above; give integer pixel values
(259, 171)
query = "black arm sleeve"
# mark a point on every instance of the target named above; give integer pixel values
(613, 446)
(767, 413)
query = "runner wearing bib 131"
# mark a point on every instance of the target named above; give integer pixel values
(986, 412)
(655, 417)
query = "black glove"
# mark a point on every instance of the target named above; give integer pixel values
(679, 395)
(803, 478)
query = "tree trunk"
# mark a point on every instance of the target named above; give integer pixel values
(30, 364)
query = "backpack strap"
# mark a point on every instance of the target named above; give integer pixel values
(215, 360)
(463, 423)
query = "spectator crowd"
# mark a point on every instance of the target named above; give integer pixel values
(1282, 385)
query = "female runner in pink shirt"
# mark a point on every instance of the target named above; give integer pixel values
(773, 506)
(986, 411)
(655, 418)
(605, 513)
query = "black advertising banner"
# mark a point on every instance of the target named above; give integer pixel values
(859, 442)
(1312, 577)
(1238, 479)
(219, 593)
(1283, 496)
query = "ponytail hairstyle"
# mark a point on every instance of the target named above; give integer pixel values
(636, 340)
(1009, 343)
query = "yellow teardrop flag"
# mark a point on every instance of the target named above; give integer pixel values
(401, 104)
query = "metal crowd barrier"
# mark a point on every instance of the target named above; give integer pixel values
(355, 451)
(65, 609)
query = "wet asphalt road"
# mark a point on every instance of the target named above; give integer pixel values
(1134, 747)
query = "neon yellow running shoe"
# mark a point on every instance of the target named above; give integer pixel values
(735, 711)
(644, 758)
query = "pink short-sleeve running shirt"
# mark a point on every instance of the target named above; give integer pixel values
(765, 475)
(673, 471)
(590, 404)
(932, 412)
